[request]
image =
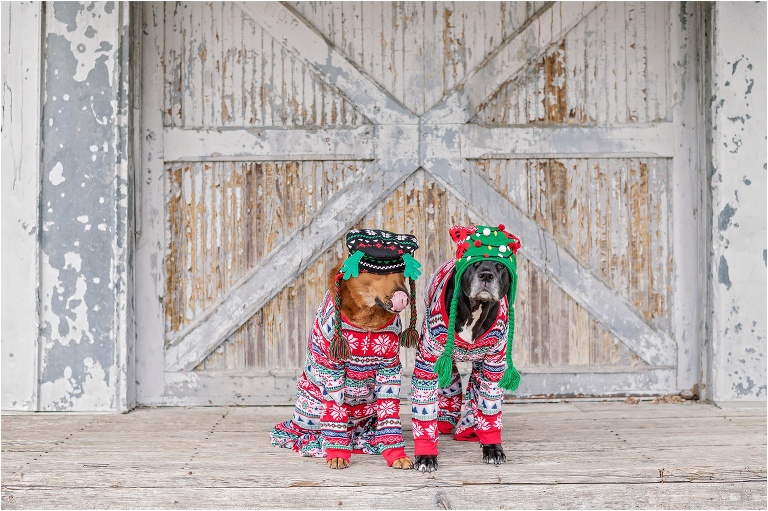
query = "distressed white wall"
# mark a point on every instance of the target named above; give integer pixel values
(21, 68)
(81, 357)
(738, 185)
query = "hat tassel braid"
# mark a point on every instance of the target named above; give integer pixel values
(511, 378)
(444, 364)
(339, 349)
(410, 337)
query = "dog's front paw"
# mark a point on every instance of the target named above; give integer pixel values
(426, 463)
(493, 453)
(337, 463)
(403, 463)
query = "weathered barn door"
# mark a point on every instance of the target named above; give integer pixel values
(269, 129)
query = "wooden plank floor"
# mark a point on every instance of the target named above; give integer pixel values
(561, 455)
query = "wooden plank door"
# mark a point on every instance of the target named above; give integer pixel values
(270, 129)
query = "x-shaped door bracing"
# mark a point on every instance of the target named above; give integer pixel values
(397, 143)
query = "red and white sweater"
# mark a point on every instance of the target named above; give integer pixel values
(482, 418)
(351, 406)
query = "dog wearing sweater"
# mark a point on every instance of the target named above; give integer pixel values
(469, 317)
(349, 393)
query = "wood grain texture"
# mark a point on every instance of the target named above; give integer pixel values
(224, 217)
(609, 69)
(417, 51)
(574, 130)
(222, 70)
(610, 214)
(571, 455)
(276, 337)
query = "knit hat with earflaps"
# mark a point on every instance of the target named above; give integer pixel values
(478, 244)
(380, 252)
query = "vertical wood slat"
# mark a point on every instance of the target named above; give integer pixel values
(587, 205)
(551, 330)
(385, 39)
(222, 70)
(223, 217)
(614, 68)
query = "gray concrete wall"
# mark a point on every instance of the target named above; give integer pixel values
(737, 331)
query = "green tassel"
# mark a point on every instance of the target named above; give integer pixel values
(412, 267)
(443, 368)
(350, 268)
(510, 380)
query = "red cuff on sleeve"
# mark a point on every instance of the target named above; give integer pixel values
(338, 453)
(444, 428)
(393, 454)
(489, 437)
(424, 448)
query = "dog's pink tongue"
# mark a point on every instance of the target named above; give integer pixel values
(399, 301)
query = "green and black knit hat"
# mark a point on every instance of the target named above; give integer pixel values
(478, 244)
(380, 252)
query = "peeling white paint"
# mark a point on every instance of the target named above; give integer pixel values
(738, 180)
(56, 175)
(73, 260)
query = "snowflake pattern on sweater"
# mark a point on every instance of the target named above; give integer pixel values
(438, 410)
(351, 406)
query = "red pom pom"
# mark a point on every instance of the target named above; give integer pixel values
(486, 255)
(501, 227)
(478, 243)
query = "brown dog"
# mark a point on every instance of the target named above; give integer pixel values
(367, 302)
(349, 393)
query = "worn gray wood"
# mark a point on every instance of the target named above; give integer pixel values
(150, 223)
(614, 312)
(293, 256)
(472, 141)
(560, 455)
(689, 188)
(365, 142)
(521, 496)
(545, 28)
(436, 141)
(307, 44)
(198, 388)
(269, 144)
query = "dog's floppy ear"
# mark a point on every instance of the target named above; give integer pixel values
(459, 235)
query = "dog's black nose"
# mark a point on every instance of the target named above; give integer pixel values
(485, 276)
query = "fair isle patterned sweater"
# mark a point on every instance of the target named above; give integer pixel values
(436, 410)
(351, 406)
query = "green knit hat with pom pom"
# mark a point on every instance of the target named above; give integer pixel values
(477, 244)
(380, 252)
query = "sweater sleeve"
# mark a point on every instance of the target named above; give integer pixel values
(389, 429)
(490, 395)
(329, 376)
(424, 404)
